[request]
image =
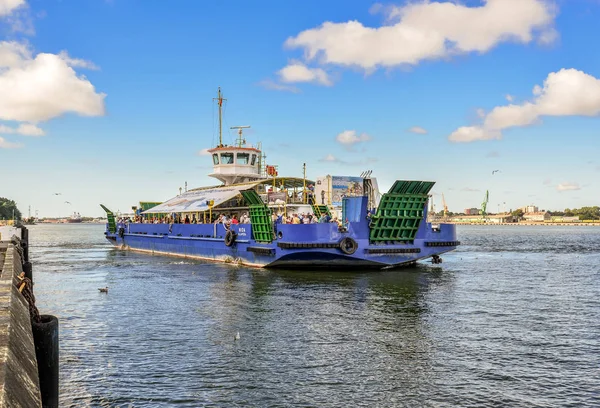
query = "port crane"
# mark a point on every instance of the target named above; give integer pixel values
(445, 206)
(484, 204)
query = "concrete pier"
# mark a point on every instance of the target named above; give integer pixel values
(19, 381)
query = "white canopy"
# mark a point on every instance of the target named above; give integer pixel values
(196, 200)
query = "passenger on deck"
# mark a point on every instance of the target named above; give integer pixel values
(187, 219)
(234, 220)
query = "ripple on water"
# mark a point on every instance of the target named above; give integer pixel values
(512, 318)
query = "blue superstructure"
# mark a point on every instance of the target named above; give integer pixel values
(357, 226)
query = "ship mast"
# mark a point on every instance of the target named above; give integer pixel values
(220, 100)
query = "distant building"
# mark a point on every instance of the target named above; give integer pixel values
(537, 216)
(530, 209)
(472, 211)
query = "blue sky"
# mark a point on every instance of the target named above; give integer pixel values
(111, 101)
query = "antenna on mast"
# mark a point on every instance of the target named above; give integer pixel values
(220, 100)
(241, 141)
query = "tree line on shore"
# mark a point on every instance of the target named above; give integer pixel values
(9, 210)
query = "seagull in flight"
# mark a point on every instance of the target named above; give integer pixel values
(66, 202)
(495, 171)
(57, 193)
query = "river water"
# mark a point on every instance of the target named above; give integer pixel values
(510, 319)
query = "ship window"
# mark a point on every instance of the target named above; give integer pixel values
(227, 158)
(243, 158)
(215, 158)
(253, 160)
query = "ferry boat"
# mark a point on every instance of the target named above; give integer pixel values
(256, 217)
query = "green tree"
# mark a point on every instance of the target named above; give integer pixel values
(8, 209)
(517, 213)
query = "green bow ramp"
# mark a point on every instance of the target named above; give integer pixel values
(400, 212)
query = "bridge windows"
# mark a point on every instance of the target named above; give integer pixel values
(215, 159)
(243, 158)
(226, 158)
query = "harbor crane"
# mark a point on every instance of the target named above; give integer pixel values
(484, 204)
(445, 206)
(241, 141)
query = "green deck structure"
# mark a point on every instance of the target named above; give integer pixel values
(146, 205)
(400, 212)
(260, 217)
(112, 225)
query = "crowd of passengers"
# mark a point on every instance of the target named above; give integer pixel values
(302, 218)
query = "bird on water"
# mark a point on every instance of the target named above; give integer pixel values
(103, 290)
(237, 336)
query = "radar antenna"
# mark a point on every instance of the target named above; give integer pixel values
(241, 141)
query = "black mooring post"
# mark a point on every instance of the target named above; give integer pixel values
(45, 336)
(25, 243)
(28, 269)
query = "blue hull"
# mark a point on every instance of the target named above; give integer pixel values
(296, 246)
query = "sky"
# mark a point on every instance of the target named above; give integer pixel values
(112, 101)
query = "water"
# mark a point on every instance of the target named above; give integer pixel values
(510, 319)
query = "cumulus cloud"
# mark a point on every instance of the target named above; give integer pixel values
(568, 92)
(25, 129)
(568, 187)
(8, 6)
(427, 30)
(350, 137)
(4, 144)
(76, 62)
(418, 130)
(330, 158)
(43, 87)
(509, 98)
(270, 84)
(203, 152)
(298, 72)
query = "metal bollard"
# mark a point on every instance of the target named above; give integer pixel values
(28, 269)
(45, 336)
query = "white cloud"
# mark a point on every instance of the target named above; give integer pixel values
(204, 152)
(472, 133)
(8, 145)
(349, 137)
(8, 6)
(76, 62)
(330, 158)
(270, 84)
(509, 98)
(12, 54)
(427, 30)
(418, 130)
(298, 72)
(568, 187)
(568, 92)
(42, 88)
(470, 189)
(24, 129)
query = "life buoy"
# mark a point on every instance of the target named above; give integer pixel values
(348, 246)
(230, 237)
